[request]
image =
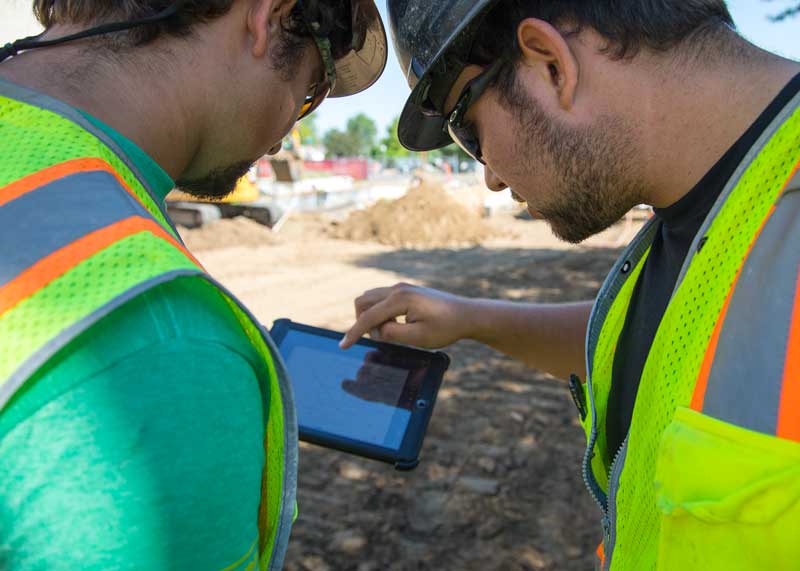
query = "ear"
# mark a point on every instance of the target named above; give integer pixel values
(545, 49)
(264, 19)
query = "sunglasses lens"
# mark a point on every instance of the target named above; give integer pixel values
(465, 138)
(314, 100)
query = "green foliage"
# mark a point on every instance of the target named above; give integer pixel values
(358, 139)
(308, 130)
(394, 149)
(363, 128)
(340, 144)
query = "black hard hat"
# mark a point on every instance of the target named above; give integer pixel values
(432, 39)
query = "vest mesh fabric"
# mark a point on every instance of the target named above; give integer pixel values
(109, 273)
(33, 139)
(602, 369)
(680, 344)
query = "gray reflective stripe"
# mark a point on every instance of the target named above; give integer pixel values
(50, 217)
(754, 151)
(25, 95)
(794, 183)
(744, 385)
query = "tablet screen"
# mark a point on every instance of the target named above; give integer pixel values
(363, 394)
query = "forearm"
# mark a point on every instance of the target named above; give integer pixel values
(549, 337)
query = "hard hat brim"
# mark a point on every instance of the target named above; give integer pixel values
(420, 129)
(359, 68)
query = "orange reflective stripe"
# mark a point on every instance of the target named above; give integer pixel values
(789, 409)
(700, 386)
(62, 260)
(32, 182)
(699, 395)
(601, 554)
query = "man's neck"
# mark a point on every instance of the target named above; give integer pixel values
(689, 121)
(156, 118)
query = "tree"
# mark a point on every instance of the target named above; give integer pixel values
(394, 149)
(787, 13)
(358, 139)
(363, 130)
(340, 144)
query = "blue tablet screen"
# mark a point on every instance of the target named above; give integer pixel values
(363, 393)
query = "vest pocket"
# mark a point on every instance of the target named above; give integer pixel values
(728, 498)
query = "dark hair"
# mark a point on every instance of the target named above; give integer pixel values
(93, 12)
(628, 26)
(334, 17)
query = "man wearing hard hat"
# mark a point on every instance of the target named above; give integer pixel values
(146, 421)
(686, 368)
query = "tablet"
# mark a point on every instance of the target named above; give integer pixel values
(374, 399)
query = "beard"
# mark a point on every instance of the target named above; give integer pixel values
(593, 183)
(216, 184)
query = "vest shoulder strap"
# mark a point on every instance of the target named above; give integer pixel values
(81, 235)
(751, 371)
(80, 245)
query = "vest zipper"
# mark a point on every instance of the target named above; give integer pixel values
(610, 519)
(588, 477)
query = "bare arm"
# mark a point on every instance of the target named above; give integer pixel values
(549, 337)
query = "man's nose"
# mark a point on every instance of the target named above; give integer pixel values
(493, 182)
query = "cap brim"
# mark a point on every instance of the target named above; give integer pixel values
(360, 68)
(419, 130)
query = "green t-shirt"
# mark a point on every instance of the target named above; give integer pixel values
(140, 444)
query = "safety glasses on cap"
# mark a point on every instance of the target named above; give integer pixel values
(457, 126)
(353, 56)
(319, 91)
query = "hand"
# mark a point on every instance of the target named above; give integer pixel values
(433, 318)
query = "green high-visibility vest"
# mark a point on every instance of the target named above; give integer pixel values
(84, 236)
(708, 476)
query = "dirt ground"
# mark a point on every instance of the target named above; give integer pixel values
(499, 485)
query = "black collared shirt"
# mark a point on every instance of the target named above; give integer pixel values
(677, 226)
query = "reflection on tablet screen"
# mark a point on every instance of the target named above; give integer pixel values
(361, 394)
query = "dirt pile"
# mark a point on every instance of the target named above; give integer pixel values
(228, 233)
(426, 217)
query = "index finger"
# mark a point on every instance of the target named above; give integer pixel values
(375, 316)
(370, 298)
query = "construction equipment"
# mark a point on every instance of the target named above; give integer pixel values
(246, 200)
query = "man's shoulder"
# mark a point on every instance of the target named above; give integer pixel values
(184, 318)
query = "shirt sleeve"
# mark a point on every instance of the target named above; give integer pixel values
(154, 463)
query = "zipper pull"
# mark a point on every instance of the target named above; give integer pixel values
(578, 396)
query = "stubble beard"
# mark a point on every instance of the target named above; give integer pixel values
(593, 182)
(216, 184)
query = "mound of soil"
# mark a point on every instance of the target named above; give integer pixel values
(426, 217)
(239, 231)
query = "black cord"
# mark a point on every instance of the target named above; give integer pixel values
(32, 42)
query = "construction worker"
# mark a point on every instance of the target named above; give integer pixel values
(691, 351)
(145, 417)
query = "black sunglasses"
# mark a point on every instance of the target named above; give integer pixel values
(460, 130)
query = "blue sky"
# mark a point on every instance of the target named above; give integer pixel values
(385, 99)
